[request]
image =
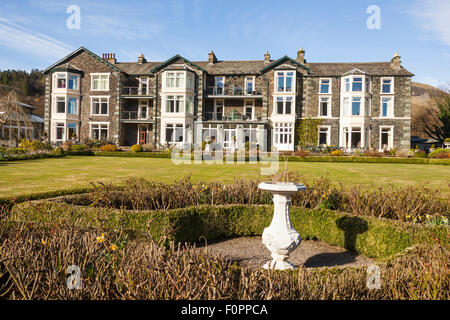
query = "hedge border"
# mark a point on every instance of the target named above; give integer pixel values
(341, 159)
(31, 157)
(375, 237)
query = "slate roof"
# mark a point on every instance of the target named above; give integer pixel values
(245, 66)
(255, 67)
(137, 68)
(372, 68)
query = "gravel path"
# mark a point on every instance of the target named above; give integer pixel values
(249, 251)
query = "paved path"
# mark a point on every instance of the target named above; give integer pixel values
(249, 251)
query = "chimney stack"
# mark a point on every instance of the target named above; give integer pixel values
(110, 57)
(212, 57)
(141, 59)
(396, 62)
(267, 57)
(301, 56)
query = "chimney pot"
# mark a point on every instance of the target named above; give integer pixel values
(212, 57)
(301, 55)
(141, 59)
(396, 61)
(267, 57)
(110, 57)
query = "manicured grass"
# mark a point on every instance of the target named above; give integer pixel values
(25, 177)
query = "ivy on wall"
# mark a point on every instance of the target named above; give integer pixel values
(307, 131)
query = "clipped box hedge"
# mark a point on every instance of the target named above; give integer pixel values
(374, 237)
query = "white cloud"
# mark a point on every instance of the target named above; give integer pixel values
(19, 38)
(433, 16)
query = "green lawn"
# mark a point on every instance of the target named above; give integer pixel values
(24, 177)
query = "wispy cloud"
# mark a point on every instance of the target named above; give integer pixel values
(19, 38)
(433, 16)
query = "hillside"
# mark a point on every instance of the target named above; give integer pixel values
(421, 93)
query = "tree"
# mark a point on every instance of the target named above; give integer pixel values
(439, 111)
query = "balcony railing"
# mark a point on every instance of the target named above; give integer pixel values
(135, 115)
(231, 91)
(229, 116)
(136, 91)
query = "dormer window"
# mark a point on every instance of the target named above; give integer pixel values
(325, 86)
(284, 81)
(387, 85)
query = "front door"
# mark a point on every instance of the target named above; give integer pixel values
(143, 134)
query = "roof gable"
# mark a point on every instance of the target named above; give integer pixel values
(282, 60)
(173, 59)
(79, 50)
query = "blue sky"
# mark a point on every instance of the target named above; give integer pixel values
(33, 33)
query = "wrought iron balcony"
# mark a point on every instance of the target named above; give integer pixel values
(230, 115)
(135, 115)
(136, 91)
(231, 91)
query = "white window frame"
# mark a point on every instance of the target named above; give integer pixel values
(275, 106)
(390, 111)
(77, 105)
(285, 72)
(223, 85)
(55, 99)
(174, 124)
(248, 106)
(328, 129)
(329, 85)
(392, 85)
(55, 124)
(142, 104)
(92, 106)
(390, 138)
(253, 80)
(351, 80)
(328, 115)
(100, 123)
(100, 85)
(287, 130)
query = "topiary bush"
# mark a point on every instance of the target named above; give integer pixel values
(136, 148)
(337, 153)
(108, 147)
(439, 151)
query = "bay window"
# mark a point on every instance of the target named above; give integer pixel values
(60, 130)
(60, 105)
(284, 81)
(61, 80)
(357, 84)
(283, 133)
(346, 106)
(356, 106)
(72, 105)
(284, 105)
(174, 133)
(72, 130)
(73, 82)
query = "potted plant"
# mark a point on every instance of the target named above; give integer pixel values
(447, 143)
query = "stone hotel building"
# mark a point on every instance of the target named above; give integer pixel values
(362, 105)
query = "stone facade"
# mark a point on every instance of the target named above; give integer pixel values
(137, 97)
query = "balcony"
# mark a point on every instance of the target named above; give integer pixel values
(136, 116)
(229, 116)
(233, 92)
(136, 92)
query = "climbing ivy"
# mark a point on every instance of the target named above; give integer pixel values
(307, 132)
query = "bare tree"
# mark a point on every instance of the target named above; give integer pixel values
(15, 122)
(436, 123)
